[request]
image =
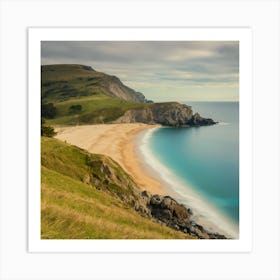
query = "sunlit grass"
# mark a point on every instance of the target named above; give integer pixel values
(72, 209)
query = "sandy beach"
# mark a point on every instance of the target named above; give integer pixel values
(119, 141)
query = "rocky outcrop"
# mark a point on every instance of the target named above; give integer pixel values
(168, 114)
(107, 175)
(166, 210)
(115, 88)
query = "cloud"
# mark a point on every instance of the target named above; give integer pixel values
(152, 65)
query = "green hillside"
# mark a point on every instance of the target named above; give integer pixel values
(87, 196)
(94, 109)
(76, 94)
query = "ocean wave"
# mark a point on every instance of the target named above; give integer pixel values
(204, 212)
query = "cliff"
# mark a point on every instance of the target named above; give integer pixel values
(76, 94)
(168, 114)
(64, 81)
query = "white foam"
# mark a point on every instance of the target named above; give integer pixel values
(223, 123)
(204, 212)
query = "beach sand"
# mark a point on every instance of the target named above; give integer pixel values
(118, 141)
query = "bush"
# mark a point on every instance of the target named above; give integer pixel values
(48, 111)
(47, 130)
(75, 108)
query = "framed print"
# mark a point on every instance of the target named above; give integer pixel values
(160, 140)
(143, 143)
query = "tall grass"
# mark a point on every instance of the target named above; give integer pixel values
(72, 209)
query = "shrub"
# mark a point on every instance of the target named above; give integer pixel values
(48, 111)
(47, 130)
(75, 108)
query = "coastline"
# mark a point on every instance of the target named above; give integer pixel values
(117, 141)
(204, 213)
(127, 144)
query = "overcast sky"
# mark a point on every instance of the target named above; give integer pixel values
(162, 71)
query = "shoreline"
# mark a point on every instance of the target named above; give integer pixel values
(117, 141)
(204, 213)
(125, 144)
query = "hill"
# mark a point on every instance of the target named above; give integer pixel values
(87, 196)
(76, 94)
(62, 82)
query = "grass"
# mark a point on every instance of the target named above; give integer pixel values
(95, 109)
(97, 170)
(70, 85)
(72, 209)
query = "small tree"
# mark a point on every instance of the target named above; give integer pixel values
(47, 130)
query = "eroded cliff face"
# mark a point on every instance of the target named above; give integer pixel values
(115, 88)
(168, 114)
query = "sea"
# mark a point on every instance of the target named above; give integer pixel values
(201, 165)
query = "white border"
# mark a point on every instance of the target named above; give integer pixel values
(243, 35)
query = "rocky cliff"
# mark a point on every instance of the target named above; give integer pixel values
(168, 114)
(64, 81)
(115, 88)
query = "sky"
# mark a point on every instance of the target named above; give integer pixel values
(161, 70)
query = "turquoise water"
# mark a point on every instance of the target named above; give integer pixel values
(205, 158)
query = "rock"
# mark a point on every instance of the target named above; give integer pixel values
(167, 210)
(145, 194)
(180, 212)
(162, 214)
(166, 202)
(155, 200)
(197, 120)
(167, 113)
(190, 212)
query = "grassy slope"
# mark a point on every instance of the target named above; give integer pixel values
(71, 209)
(67, 85)
(95, 109)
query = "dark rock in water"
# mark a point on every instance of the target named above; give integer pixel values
(190, 212)
(167, 211)
(197, 120)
